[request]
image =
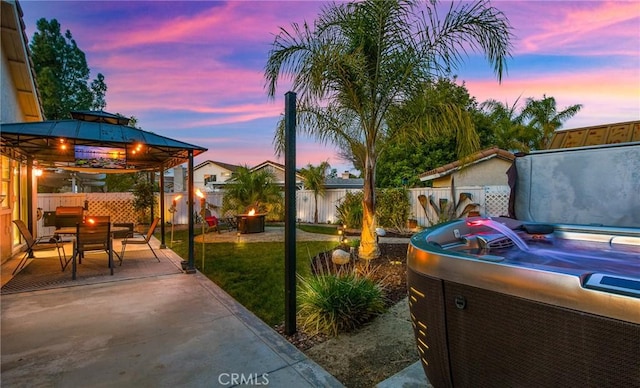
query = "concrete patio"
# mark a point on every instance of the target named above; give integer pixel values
(147, 325)
(156, 329)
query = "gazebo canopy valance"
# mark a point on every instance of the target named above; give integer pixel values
(95, 141)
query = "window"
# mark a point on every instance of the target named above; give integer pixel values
(5, 184)
(210, 178)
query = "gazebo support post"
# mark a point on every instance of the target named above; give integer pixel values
(191, 264)
(30, 223)
(163, 244)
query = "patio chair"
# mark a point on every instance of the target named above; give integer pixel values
(230, 220)
(212, 222)
(40, 244)
(92, 237)
(133, 239)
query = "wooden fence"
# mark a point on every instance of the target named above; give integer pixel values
(492, 201)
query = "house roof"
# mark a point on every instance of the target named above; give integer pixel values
(16, 50)
(227, 166)
(268, 163)
(478, 157)
(341, 183)
(275, 165)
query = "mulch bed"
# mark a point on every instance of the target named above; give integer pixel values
(390, 269)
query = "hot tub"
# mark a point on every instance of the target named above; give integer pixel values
(508, 302)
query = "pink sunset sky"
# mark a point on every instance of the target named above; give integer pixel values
(193, 70)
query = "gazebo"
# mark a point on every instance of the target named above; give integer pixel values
(98, 142)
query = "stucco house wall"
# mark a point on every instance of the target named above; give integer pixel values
(210, 175)
(492, 172)
(19, 102)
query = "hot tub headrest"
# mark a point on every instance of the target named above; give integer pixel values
(537, 228)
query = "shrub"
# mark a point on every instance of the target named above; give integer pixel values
(331, 303)
(143, 199)
(350, 209)
(392, 208)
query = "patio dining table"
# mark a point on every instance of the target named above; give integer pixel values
(71, 230)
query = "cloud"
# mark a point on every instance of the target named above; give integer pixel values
(585, 27)
(607, 96)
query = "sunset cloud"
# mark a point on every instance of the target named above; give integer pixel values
(193, 70)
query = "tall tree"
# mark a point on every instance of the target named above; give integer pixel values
(409, 154)
(543, 116)
(314, 180)
(99, 89)
(363, 58)
(62, 73)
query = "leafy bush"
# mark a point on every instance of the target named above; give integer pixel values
(350, 211)
(392, 208)
(253, 189)
(144, 199)
(331, 303)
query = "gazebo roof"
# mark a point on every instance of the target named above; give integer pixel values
(56, 143)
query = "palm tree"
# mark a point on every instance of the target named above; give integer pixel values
(251, 189)
(314, 177)
(545, 118)
(509, 132)
(364, 58)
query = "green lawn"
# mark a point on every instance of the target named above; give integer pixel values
(252, 273)
(319, 228)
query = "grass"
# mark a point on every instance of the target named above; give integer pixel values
(320, 229)
(252, 273)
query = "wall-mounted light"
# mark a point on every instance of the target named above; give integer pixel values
(37, 171)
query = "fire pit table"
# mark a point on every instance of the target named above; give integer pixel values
(250, 223)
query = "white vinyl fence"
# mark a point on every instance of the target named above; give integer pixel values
(492, 201)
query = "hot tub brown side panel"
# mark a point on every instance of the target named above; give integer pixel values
(426, 303)
(498, 338)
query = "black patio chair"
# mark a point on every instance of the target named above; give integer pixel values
(40, 244)
(92, 237)
(230, 220)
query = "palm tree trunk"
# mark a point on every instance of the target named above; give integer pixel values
(368, 241)
(315, 212)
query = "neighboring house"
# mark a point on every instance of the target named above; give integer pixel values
(211, 175)
(20, 103)
(485, 168)
(344, 182)
(277, 170)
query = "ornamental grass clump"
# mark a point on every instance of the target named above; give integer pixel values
(331, 303)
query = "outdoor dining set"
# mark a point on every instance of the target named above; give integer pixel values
(87, 233)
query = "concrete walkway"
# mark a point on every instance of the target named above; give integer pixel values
(157, 331)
